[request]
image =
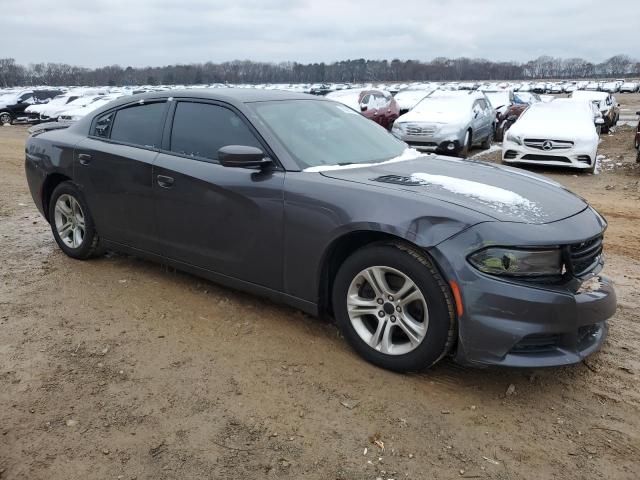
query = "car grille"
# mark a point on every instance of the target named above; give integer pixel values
(585, 256)
(543, 144)
(426, 130)
(546, 158)
(537, 343)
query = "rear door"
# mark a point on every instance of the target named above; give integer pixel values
(226, 220)
(114, 169)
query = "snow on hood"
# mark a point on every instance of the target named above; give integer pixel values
(408, 154)
(568, 120)
(439, 110)
(495, 196)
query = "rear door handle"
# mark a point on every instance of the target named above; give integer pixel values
(164, 181)
(84, 158)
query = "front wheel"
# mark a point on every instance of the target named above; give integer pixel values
(464, 153)
(393, 306)
(72, 224)
(486, 145)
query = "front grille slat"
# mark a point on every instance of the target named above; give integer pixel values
(548, 144)
(424, 130)
(585, 256)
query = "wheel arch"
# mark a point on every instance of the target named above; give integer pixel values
(48, 186)
(340, 249)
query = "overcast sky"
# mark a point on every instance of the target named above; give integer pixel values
(159, 32)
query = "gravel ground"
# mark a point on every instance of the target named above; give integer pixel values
(119, 368)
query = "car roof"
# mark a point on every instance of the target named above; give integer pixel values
(229, 95)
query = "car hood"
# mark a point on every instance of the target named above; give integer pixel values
(502, 193)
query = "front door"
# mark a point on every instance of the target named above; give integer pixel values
(226, 220)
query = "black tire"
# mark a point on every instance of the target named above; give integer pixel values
(90, 245)
(464, 153)
(5, 118)
(441, 330)
(638, 157)
(486, 144)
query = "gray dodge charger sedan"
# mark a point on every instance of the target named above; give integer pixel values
(306, 202)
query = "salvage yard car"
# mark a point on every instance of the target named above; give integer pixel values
(13, 105)
(304, 201)
(606, 103)
(376, 105)
(558, 133)
(448, 122)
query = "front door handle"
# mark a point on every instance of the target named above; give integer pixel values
(164, 181)
(84, 158)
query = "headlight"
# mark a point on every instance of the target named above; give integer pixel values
(518, 263)
(397, 127)
(514, 138)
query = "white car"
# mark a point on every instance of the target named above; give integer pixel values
(558, 133)
(52, 112)
(74, 114)
(35, 111)
(610, 87)
(606, 103)
(629, 87)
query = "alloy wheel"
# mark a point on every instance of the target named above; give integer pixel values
(5, 119)
(387, 310)
(69, 221)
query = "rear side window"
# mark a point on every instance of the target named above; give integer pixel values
(102, 127)
(138, 125)
(200, 130)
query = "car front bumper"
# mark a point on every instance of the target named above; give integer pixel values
(520, 324)
(579, 156)
(444, 144)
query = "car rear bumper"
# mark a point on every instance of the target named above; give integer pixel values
(518, 324)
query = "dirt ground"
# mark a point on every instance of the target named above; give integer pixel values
(118, 368)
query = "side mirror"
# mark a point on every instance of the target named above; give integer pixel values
(637, 113)
(242, 156)
(363, 108)
(599, 121)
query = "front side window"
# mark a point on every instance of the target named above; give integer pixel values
(138, 125)
(201, 129)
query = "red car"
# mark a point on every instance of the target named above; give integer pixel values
(379, 106)
(376, 105)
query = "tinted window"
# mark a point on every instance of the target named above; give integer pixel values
(200, 129)
(102, 127)
(139, 125)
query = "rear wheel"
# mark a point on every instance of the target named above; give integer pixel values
(5, 118)
(393, 306)
(72, 224)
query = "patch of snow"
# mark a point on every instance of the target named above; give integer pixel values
(469, 188)
(408, 154)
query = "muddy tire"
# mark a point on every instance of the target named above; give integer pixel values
(72, 224)
(394, 308)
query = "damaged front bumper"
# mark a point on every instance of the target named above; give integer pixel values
(526, 324)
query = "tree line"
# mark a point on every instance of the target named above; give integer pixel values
(357, 70)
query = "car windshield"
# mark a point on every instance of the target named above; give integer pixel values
(498, 99)
(317, 133)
